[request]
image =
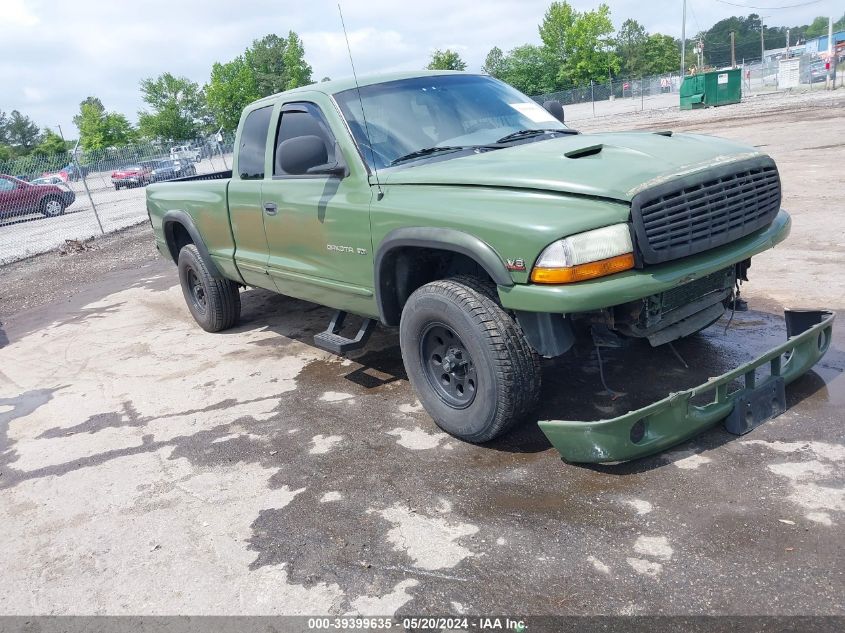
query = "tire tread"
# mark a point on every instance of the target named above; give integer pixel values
(224, 298)
(517, 365)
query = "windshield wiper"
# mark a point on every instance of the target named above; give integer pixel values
(513, 136)
(428, 151)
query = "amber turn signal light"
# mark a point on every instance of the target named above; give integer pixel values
(582, 272)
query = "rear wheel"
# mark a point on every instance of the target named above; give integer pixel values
(467, 359)
(51, 207)
(214, 303)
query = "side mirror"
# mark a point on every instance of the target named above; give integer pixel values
(336, 168)
(555, 109)
(308, 155)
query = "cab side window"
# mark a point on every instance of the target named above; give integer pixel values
(303, 140)
(253, 144)
(6, 185)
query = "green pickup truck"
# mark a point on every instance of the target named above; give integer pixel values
(458, 209)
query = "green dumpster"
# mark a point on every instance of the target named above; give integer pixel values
(715, 88)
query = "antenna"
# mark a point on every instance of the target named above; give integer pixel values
(361, 101)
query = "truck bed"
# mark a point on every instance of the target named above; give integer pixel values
(204, 199)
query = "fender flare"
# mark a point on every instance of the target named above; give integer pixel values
(174, 217)
(435, 238)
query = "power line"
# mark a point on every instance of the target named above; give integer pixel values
(695, 19)
(786, 6)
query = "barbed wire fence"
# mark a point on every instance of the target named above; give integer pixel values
(61, 200)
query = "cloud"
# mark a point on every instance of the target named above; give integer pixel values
(16, 14)
(32, 94)
(54, 54)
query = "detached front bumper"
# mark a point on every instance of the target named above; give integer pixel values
(675, 418)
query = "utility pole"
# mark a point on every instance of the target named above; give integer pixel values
(684, 42)
(762, 40)
(733, 50)
(787, 43)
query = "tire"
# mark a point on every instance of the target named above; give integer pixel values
(497, 369)
(52, 207)
(214, 303)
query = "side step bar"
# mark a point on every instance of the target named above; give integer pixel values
(333, 341)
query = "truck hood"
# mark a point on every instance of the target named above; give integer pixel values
(612, 165)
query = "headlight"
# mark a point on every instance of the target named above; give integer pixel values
(584, 256)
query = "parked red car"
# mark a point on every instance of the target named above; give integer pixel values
(18, 197)
(132, 176)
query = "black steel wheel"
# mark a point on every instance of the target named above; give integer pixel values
(449, 367)
(197, 291)
(468, 360)
(214, 302)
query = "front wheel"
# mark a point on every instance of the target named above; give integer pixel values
(52, 207)
(214, 303)
(467, 359)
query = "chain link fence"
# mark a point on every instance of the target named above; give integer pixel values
(47, 201)
(657, 92)
(55, 201)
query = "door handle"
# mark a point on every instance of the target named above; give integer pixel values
(270, 208)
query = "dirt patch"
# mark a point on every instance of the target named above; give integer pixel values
(55, 276)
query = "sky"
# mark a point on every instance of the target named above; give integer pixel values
(53, 54)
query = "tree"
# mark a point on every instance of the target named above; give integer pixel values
(660, 54)
(99, 129)
(446, 60)
(92, 101)
(494, 63)
(580, 44)
(266, 58)
(117, 131)
(528, 69)
(641, 53)
(556, 31)
(21, 133)
(630, 47)
(592, 57)
(177, 105)
(231, 88)
(3, 122)
(271, 64)
(51, 144)
(817, 28)
(298, 70)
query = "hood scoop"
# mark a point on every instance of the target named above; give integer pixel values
(581, 152)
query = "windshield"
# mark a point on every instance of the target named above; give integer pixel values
(410, 115)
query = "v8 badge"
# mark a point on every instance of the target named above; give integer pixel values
(516, 264)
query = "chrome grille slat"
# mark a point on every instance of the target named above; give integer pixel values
(686, 217)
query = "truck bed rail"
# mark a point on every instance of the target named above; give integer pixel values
(215, 175)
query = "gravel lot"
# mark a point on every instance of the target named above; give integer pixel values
(147, 467)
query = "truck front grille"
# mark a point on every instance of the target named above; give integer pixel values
(693, 214)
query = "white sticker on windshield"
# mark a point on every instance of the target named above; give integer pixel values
(533, 112)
